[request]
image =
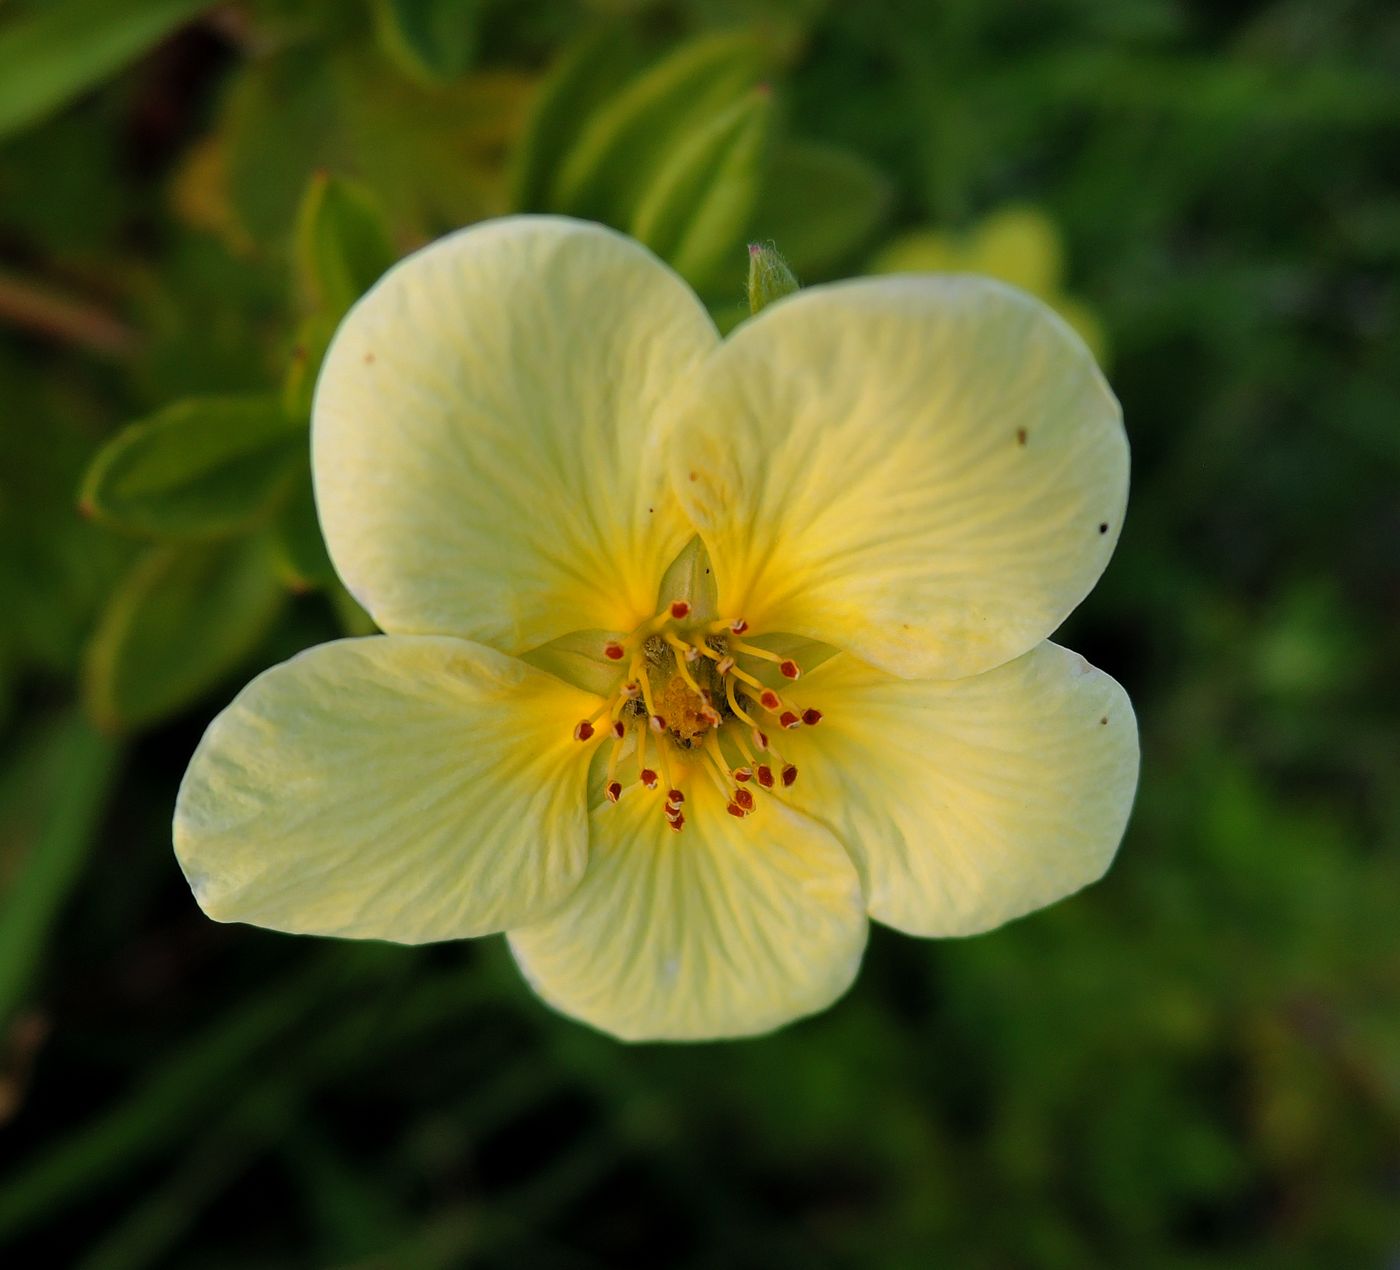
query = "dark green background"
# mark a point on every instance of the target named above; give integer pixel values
(1196, 1062)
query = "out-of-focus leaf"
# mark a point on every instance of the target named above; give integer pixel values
(695, 211)
(579, 82)
(199, 468)
(299, 549)
(353, 619)
(433, 156)
(431, 40)
(342, 243)
(183, 618)
(616, 157)
(313, 337)
(51, 796)
(55, 49)
(819, 205)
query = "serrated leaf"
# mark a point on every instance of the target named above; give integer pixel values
(579, 82)
(61, 47)
(432, 40)
(696, 210)
(342, 244)
(200, 468)
(616, 157)
(184, 617)
(819, 205)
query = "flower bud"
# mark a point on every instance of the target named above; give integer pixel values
(770, 278)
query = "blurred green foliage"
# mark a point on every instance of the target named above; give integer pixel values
(1195, 1063)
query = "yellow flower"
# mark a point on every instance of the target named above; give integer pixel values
(1018, 244)
(640, 752)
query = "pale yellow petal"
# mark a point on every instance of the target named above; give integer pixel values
(393, 787)
(728, 928)
(968, 802)
(927, 471)
(484, 433)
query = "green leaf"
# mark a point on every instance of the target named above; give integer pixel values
(342, 244)
(298, 547)
(58, 48)
(616, 158)
(313, 337)
(820, 205)
(431, 40)
(696, 210)
(200, 468)
(51, 798)
(182, 619)
(579, 82)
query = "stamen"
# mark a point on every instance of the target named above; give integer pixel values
(583, 730)
(736, 811)
(744, 797)
(658, 723)
(789, 775)
(742, 774)
(790, 719)
(765, 776)
(681, 668)
(739, 711)
(724, 665)
(614, 791)
(789, 669)
(613, 651)
(770, 701)
(760, 737)
(811, 717)
(619, 729)
(614, 786)
(648, 778)
(675, 797)
(680, 610)
(677, 824)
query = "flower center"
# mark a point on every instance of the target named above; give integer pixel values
(687, 697)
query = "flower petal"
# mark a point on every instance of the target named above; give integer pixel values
(484, 434)
(929, 472)
(968, 802)
(728, 928)
(393, 787)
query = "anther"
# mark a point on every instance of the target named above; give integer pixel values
(789, 775)
(631, 689)
(742, 775)
(765, 776)
(790, 719)
(744, 797)
(658, 723)
(583, 730)
(613, 651)
(675, 797)
(648, 778)
(677, 824)
(790, 669)
(811, 717)
(614, 791)
(760, 738)
(736, 811)
(770, 700)
(738, 626)
(680, 610)
(724, 665)
(619, 729)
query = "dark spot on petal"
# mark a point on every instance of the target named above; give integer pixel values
(695, 476)
(650, 510)
(369, 357)
(1020, 436)
(1103, 527)
(1104, 720)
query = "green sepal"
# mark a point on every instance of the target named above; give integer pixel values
(201, 468)
(182, 619)
(615, 159)
(578, 659)
(694, 213)
(582, 79)
(689, 577)
(430, 40)
(822, 203)
(342, 245)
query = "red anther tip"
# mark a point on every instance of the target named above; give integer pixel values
(619, 729)
(790, 719)
(672, 813)
(676, 797)
(648, 778)
(790, 669)
(677, 823)
(742, 774)
(744, 797)
(738, 626)
(679, 609)
(583, 731)
(658, 723)
(760, 739)
(765, 776)
(613, 650)
(736, 811)
(811, 717)
(789, 774)
(614, 791)
(769, 699)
